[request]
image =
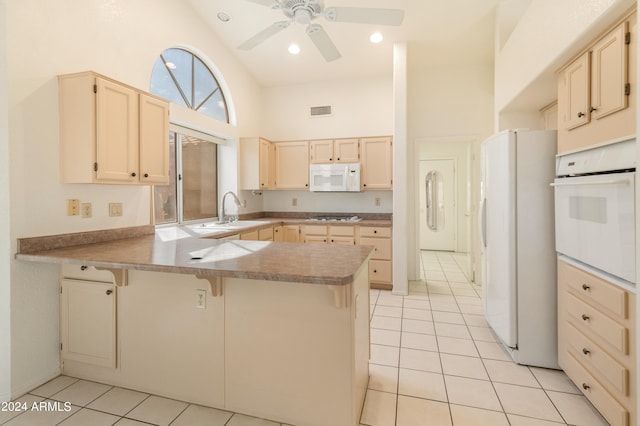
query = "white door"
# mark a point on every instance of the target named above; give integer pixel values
(437, 205)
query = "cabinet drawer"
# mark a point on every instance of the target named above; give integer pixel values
(315, 229)
(265, 234)
(382, 247)
(612, 410)
(342, 231)
(597, 291)
(342, 240)
(252, 235)
(380, 271)
(86, 273)
(603, 365)
(375, 231)
(603, 327)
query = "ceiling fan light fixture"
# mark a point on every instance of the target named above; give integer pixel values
(302, 16)
(294, 49)
(376, 37)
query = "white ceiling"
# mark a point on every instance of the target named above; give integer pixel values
(438, 32)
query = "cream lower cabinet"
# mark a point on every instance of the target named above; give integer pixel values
(329, 234)
(111, 132)
(596, 342)
(286, 233)
(380, 264)
(88, 321)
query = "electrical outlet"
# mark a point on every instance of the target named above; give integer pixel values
(73, 207)
(294, 202)
(244, 203)
(85, 210)
(201, 299)
(377, 201)
(115, 209)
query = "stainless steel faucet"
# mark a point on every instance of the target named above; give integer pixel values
(222, 218)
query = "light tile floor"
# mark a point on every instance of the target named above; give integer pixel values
(434, 361)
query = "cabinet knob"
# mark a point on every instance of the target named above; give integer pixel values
(585, 317)
(306, 184)
(133, 174)
(585, 287)
(109, 292)
(375, 231)
(586, 386)
(330, 159)
(580, 114)
(591, 109)
(83, 268)
(375, 271)
(146, 175)
(338, 158)
(364, 184)
(586, 351)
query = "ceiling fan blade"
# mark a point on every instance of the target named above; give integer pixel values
(274, 4)
(271, 30)
(321, 39)
(363, 15)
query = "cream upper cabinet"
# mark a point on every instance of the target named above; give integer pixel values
(334, 151)
(257, 164)
(595, 101)
(292, 165)
(376, 158)
(111, 132)
(576, 80)
(154, 140)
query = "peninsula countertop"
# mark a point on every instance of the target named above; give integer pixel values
(262, 260)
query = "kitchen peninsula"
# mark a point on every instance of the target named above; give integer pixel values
(274, 330)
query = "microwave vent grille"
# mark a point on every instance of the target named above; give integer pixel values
(320, 111)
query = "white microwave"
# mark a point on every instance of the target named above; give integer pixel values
(341, 177)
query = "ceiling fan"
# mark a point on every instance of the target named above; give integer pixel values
(304, 12)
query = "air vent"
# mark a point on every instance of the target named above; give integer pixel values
(320, 111)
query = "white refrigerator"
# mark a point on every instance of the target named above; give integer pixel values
(517, 243)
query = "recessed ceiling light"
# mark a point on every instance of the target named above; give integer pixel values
(294, 49)
(376, 37)
(224, 17)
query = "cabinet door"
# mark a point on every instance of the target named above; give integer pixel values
(291, 233)
(88, 322)
(154, 140)
(376, 163)
(321, 152)
(116, 132)
(266, 164)
(609, 68)
(346, 151)
(292, 165)
(576, 82)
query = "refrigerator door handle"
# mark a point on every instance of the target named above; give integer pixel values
(483, 222)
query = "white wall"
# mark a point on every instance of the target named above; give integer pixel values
(5, 246)
(120, 39)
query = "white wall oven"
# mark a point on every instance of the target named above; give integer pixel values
(595, 208)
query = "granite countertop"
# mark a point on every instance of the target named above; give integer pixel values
(264, 260)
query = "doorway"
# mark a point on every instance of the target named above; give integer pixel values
(438, 215)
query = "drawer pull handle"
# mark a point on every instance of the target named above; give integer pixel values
(585, 287)
(586, 386)
(586, 351)
(375, 271)
(109, 292)
(83, 268)
(585, 317)
(581, 114)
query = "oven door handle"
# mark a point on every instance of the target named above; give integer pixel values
(599, 182)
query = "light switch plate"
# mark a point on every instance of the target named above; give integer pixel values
(73, 207)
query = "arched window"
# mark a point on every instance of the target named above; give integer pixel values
(181, 77)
